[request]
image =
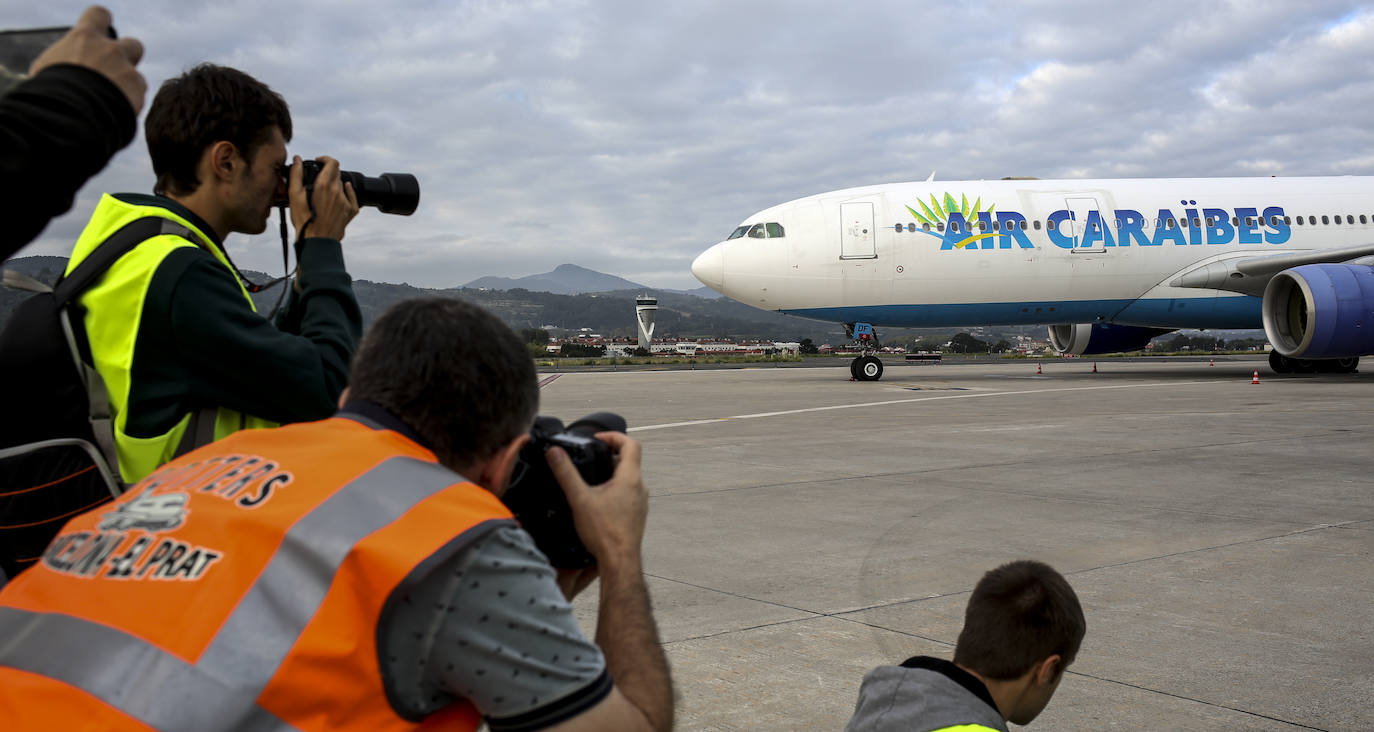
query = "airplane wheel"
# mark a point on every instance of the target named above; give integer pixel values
(1338, 365)
(869, 369)
(854, 368)
(1280, 363)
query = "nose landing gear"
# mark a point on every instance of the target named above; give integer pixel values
(867, 367)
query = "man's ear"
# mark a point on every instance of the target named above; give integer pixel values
(221, 159)
(494, 473)
(343, 397)
(1048, 670)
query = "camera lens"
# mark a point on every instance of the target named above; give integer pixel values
(393, 193)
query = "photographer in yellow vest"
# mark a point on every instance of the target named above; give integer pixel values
(171, 328)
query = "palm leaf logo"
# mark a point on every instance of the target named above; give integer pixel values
(938, 212)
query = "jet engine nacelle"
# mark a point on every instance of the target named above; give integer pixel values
(1319, 311)
(1088, 339)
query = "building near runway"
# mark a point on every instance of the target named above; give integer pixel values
(646, 309)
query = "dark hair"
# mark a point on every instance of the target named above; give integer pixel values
(207, 104)
(453, 372)
(1020, 614)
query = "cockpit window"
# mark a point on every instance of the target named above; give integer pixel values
(737, 233)
(774, 230)
(756, 232)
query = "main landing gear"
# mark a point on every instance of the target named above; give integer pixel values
(866, 367)
(1282, 364)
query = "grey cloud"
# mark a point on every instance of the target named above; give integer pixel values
(627, 136)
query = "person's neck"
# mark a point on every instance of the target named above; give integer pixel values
(202, 205)
(1004, 693)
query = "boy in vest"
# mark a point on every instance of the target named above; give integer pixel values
(1022, 629)
(171, 328)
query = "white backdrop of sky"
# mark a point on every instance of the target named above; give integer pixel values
(627, 136)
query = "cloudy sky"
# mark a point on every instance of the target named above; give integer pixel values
(627, 136)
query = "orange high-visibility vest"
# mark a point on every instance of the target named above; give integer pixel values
(240, 586)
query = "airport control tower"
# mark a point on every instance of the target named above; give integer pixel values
(645, 309)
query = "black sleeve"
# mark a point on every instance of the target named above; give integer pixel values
(56, 131)
(233, 357)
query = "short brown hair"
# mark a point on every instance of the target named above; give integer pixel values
(451, 371)
(203, 106)
(1019, 614)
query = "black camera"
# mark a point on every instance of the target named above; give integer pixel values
(537, 500)
(393, 193)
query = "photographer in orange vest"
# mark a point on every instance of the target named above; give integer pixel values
(358, 572)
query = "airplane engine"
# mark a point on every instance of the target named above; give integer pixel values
(1088, 339)
(1321, 311)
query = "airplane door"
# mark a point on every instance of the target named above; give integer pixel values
(1079, 209)
(856, 231)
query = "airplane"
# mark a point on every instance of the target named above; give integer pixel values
(1106, 264)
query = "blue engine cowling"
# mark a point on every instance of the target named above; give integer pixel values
(1321, 311)
(1089, 339)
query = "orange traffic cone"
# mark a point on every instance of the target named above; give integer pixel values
(1255, 379)
(1211, 362)
(1038, 372)
(1094, 367)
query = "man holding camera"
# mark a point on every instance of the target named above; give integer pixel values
(359, 572)
(172, 330)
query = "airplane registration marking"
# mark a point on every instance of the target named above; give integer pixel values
(911, 401)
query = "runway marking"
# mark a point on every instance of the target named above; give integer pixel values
(548, 380)
(911, 401)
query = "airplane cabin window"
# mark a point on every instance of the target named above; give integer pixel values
(1299, 221)
(774, 230)
(1169, 223)
(925, 227)
(1037, 224)
(1211, 221)
(1311, 220)
(1326, 220)
(940, 226)
(737, 233)
(1234, 222)
(996, 226)
(1249, 220)
(1196, 222)
(1349, 219)
(911, 227)
(1338, 220)
(1286, 220)
(898, 227)
(1362, 218)
(756, 232)
(1049, 225)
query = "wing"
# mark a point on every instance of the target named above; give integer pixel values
(1250, 275)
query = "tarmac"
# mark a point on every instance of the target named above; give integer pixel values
(805, 528)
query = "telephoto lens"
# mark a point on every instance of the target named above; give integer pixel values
(393, 193)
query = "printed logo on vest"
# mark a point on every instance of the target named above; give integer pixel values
(148, 512)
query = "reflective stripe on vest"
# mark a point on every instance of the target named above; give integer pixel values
(270, 657)
(114, 308)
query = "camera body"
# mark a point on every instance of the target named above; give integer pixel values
(536, 498)
(393, 193)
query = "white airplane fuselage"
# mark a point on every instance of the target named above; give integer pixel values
(1022, 252)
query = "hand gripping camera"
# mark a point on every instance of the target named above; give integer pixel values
(393, 193)
(536, 498)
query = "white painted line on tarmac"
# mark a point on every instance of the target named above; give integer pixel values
(981, 395)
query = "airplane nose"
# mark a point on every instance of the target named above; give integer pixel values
(709, 267)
